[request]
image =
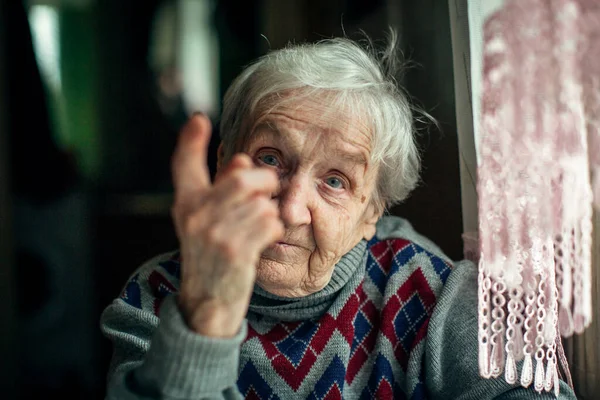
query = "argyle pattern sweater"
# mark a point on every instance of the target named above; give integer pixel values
(397, 320)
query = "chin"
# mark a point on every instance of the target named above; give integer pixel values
(279, 278)
(287, 280)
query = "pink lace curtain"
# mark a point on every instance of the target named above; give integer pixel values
(538, 175)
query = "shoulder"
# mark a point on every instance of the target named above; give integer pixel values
(152, 282)
(406, 275)
(398, 254)
(392, 227)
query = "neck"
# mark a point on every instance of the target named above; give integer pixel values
(294, 308)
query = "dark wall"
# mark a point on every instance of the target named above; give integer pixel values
(7, 303)
(435, 206)
(136, 138)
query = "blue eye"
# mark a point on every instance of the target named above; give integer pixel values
(269, 160)
(334, 182)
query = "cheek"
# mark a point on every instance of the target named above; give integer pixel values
(333, 229)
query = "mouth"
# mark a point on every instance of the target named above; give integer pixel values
(296, 244)
(285, 246)
(281, 250)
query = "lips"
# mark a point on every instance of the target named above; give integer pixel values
(288, 245)
(302, 243)
(291, 244)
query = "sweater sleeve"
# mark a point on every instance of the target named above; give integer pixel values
(159, 357)
(451, 351)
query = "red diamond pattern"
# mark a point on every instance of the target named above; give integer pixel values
(362, 351)
(333, 394)
(416, 284)
(384, 391)
(327, 325)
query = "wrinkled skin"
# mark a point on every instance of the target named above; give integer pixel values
(281, 214)
(324, 196)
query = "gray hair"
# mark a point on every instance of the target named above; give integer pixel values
(358, 78)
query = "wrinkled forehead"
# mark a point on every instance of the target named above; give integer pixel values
(325, 112)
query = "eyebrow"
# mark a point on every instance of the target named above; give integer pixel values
(357, 158)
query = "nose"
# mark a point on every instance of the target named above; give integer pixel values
(293, 198)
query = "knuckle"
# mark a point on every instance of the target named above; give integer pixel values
(261, 203)
(237, 181)
(242, 158)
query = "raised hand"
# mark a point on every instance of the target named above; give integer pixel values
(222, 229)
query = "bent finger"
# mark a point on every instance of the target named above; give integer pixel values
(243, 184)
(238, 161)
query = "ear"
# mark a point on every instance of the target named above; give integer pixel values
(370, 218)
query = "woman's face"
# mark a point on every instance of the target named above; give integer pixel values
(326, 188)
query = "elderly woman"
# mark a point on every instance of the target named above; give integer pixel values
(289, 281)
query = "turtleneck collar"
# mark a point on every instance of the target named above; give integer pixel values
(346, 272)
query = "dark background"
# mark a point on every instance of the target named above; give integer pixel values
(85, 184)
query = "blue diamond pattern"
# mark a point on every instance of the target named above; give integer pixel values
(375, 273)
(334, 374)
(403, 256)
(441, 267)
(409, 320)
(132, 293)
(361, 327)
(419, 392)
(250, 378)
(295, 344)
(381, 370)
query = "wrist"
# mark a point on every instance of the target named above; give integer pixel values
(211, 319)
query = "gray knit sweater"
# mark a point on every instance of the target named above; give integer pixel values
(397, 320)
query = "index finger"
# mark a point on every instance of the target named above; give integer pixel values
(189, 166)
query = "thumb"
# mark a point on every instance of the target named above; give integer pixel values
(189, 166)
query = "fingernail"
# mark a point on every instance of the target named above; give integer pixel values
(198, 114)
